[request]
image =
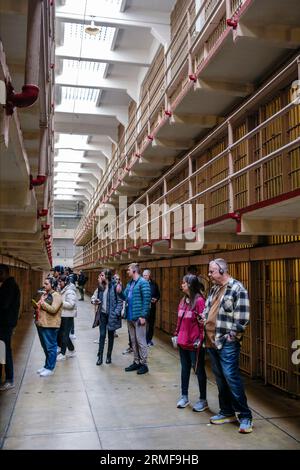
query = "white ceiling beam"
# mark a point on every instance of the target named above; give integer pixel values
(120, 112)
(80, 148)
(75, 159)
(137, 57)
(87, 161)
(81, 126)
(109, 84)
(71, 197)
(79, 171)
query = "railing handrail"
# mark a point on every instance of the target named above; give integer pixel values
(109, 170)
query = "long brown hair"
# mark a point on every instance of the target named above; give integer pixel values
(196, 288)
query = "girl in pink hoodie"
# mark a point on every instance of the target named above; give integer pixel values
(190, 335)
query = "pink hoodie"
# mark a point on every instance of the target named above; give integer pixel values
(190, 329)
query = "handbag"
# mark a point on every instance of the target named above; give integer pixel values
(174, 339)
(97, 317)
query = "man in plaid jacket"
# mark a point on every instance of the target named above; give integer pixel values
(227, 315)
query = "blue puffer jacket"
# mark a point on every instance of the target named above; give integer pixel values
(114, 306)
(141, 298)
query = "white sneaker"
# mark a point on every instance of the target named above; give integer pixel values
(61, 357)
(72, 336)
(96, 341)
(71, 353)
(58, 350)
(6, 386)
(46, 373)
(40, 370)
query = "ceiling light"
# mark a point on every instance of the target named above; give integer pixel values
(92, 29)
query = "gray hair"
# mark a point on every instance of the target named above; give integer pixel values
(147, 271)
(221, 263)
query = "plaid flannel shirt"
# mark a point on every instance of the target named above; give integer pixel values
(234, 312)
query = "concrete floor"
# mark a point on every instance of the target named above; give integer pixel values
(83, 406)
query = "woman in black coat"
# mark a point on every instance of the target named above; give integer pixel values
(110, 305)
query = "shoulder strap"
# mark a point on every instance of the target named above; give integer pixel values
(181, 318)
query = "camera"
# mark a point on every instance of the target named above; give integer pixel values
(197, 344)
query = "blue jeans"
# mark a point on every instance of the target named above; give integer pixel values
(5, 335)
(48, 339)
(225, 366)
(189, 359)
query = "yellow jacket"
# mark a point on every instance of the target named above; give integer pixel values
(50, 315)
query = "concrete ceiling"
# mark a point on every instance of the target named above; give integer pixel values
(110, 67)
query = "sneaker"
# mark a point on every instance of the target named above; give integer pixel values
(96, 341)
(58, 349)
(245, 425)
(133, 366)
(40, 370)
(150, 344)
(61, 357)
(127, 351)
(222, 419)
(72, 336)
(143, 369)
(116, 335)
(71, 353)
(201, 405)
(6, 386)
(183, 402)
(46, 373)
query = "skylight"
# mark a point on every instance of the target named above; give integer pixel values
(62, 166)
(62, 176)
(65, 191)
(75, 36)
(83, 68)
(65, 140)
(72, 94)
(65, 184)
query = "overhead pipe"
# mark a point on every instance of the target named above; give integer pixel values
(30, 90)
(44, 87)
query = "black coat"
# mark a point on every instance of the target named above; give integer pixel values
(114, 306)
(9, 302)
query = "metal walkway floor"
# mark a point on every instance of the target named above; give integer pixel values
(83, 406)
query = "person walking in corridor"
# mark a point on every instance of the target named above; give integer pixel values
(190, 335)
(47, 320)
(9, 312)
(137, 296)
(227, 315)
(81, 282)
(110, 305)
(68, 313)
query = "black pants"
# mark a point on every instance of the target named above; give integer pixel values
(63, 339)
(188, 360)
(103, 329)
(5, 336)
(151, 323)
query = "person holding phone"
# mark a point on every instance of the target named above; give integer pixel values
(108, 301)
(47, 323)
(190, 334)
